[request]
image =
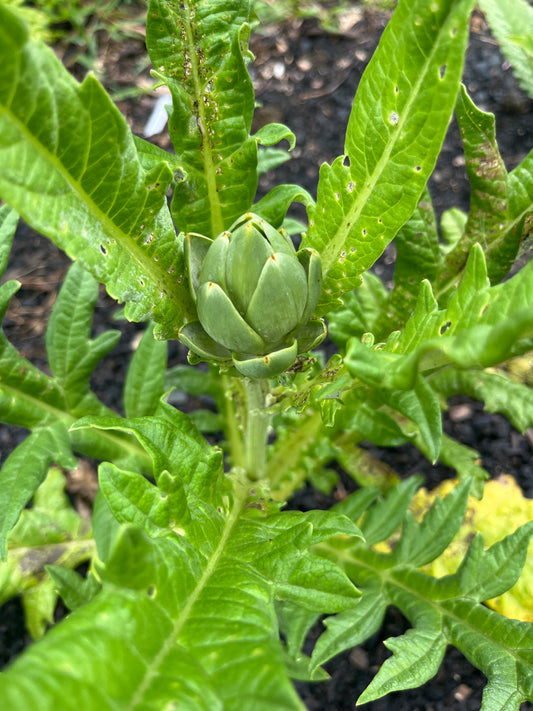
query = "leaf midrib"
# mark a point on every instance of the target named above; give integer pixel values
(158, 277)
(153, 667)
(59, 415)
(387, 577)
(334, 247)
(215, 209)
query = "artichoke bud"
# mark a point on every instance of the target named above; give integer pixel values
(255, 296)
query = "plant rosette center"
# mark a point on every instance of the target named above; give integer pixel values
(255, 296)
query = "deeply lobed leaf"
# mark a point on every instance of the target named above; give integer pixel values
(442, 611)
(206, 637)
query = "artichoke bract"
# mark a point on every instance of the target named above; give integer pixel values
(255, 296)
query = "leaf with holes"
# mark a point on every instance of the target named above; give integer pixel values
(396, 128)
(108, 214)
(201, 56)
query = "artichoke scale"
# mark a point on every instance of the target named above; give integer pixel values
(223, 322)
(195, 248)
(312, 264)
(279, 299)
(214, 266)
(279, 240)
(199, 342)
(266, 366)
(311, 335)
(246, 256)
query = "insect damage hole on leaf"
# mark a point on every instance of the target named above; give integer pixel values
(394, 117)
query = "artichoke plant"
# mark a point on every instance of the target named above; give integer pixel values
(255, 296)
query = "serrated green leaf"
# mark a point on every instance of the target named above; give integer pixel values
(102, 213)
(422, 406)
(374, 425)
(295, 623)
(497, 392)
(357, 503)
(442, 611)
(151, 155)
(500, 647)
(224, 594)
(396, 384)
(452, 226)
(173, 443)
(520, 191)
(396, 128)
(160, 656)
(465, 461)
(421, 543)
(74, 590)
(362, 308)
(481, 327)
(489, 222)
(270, 158)
(145, 379)
(32, 399)
(72, 354)
(201, 57)
(193, 381)
(274, 205)
(8, 225)
(317, 585)
(501, 565)
(512, 25)
(417, 256)
(25, 469)
(206, 421)
(105, 526)
(48, 531)
(351, 627)
(273, 133)
(385, 516)
(417, 656)
(132, 498)
(39, 603)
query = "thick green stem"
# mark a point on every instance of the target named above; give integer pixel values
(257, 424)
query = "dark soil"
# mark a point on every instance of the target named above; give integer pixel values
(306, 78)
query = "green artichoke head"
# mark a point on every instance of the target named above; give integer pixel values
(255, 296)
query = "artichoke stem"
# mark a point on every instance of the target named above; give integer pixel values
(257, 424)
